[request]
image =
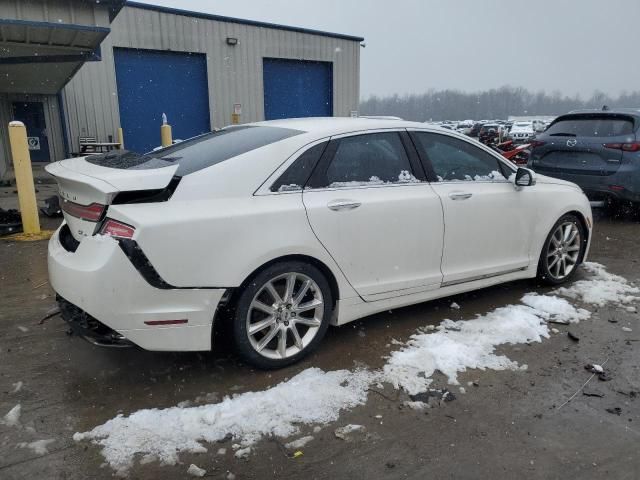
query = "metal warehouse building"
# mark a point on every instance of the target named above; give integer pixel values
(198, 69)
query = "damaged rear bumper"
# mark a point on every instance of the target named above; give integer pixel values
(108, 301)
(90, 328)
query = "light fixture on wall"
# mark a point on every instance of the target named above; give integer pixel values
(232, 41)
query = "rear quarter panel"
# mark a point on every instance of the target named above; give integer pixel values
(220, 242)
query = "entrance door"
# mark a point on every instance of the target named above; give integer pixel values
(32, 115)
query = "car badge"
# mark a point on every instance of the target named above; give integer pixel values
(572, 143)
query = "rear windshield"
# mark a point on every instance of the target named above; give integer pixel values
(199, 152)
(592, 127)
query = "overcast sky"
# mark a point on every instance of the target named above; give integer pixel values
(574, 46)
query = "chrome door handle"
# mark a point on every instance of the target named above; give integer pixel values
(338, 205)
(460, 196)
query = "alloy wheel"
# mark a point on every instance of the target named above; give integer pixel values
(285, 315)
(563, 251)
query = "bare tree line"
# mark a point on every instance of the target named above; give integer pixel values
(489, 104)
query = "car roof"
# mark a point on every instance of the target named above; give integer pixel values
(327, 126)
(611, 111)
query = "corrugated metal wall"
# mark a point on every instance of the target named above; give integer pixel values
(235, 73)
(55, 11)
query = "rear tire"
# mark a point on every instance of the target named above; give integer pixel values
(282, 314)
(563, 251)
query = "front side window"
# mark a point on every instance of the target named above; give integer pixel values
(459, 161)
(370, 159)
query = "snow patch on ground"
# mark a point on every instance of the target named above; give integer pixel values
(39, 447)
(451, 348)
(555, 309)
(344, 432)
(248, 417)
(299, 443)
(12, 419)
(602, 288)
(462, 345)
(196, 471)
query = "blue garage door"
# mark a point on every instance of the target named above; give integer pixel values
(151, 83)
(296, 88)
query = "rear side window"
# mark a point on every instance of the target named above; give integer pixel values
(369, 159)
(591, 127)
(295, 177)
(459, 161)
(199, 152)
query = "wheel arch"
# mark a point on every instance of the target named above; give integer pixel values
(585, 227)
(583, 222)
(232, 297)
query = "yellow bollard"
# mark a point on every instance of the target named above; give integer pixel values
(26, 189)
(165, 132)
(120, 139)
(24, 178)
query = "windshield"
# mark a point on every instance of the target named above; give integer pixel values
(199, 152)
(592, 127)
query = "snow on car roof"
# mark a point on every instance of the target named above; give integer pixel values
(337, 125)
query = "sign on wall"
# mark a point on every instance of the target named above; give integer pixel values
(34, 143)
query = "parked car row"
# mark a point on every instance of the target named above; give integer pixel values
(492, 132)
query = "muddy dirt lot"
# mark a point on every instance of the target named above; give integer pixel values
(507, 424)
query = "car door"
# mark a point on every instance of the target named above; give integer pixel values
(487, 219)
(371, 208)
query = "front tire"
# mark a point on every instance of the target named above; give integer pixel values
(563, 251)
(282, 314)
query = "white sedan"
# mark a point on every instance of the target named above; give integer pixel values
(282, 228)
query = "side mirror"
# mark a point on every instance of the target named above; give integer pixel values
(525, 177)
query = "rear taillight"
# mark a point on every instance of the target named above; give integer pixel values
(627, 147)
(536, 143)
(116, 229)
(91, 213)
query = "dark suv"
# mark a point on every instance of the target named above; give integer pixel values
(489, 133)
(598, 150)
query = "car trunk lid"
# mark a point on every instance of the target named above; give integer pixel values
(86, 189)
